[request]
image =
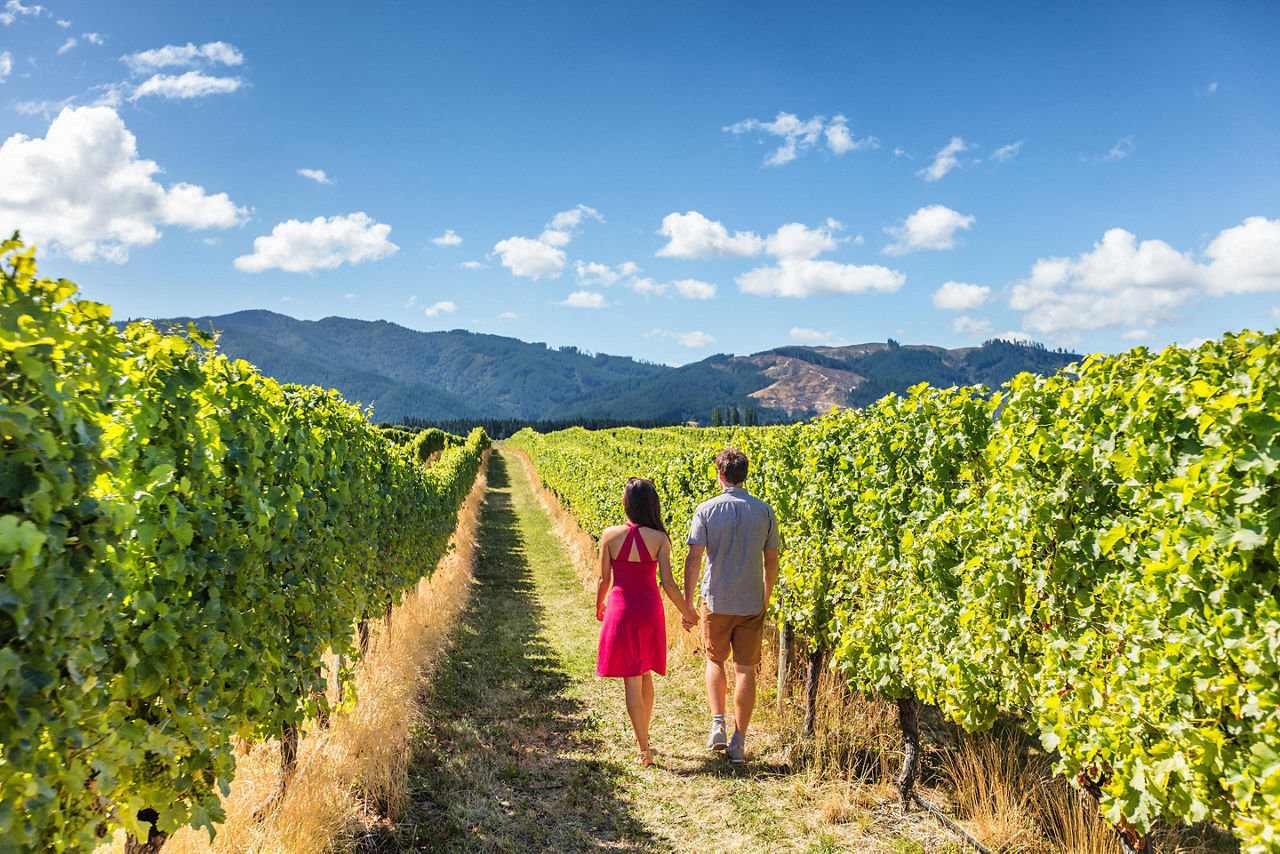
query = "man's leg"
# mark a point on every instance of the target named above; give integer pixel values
(717, 686)
(744, 695)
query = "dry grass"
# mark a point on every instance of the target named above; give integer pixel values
(351, 778)
(995, 785)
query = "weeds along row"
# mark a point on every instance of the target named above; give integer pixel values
(1094, 551)
(181, 542)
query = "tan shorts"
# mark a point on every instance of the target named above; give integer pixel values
(725, 632)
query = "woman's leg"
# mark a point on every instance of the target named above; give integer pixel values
(647, 685)
(634, 686)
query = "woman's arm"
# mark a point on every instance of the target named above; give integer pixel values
(670, 587)
(606, 576)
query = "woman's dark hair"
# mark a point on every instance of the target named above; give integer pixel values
(641, 503)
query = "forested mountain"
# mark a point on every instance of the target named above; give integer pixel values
(436, 376)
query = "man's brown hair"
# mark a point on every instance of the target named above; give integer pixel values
(732, 465)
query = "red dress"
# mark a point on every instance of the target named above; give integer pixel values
(633, 639)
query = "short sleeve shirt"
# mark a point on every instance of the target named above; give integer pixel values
(735, 527)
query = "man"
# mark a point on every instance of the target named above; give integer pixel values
(738, 533)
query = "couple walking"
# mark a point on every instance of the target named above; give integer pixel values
(738, 534)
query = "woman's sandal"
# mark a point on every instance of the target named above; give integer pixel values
(644, 758)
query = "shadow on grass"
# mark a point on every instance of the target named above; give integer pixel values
(505, 757)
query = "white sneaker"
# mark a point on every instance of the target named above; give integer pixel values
(737, 748)
(717, 740)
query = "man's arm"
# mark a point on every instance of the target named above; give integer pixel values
(692, 569)
(770, 574)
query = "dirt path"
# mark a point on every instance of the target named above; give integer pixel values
(525, 749)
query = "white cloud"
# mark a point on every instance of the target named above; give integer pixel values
(628, 268)
(321, 244)
(412, 301)
(62, 22)
(1211, 89)
(804, 277)
(1013, 337)
(542, 256)
(593, 273)
(795, 240)
(901, 152)
(945, 160)
(6, 64)
(584, 299)
(978, 327)
(1275, 313)
(647, 287)
(83, 189)
(694, 289)
(959, 296)
(193, 84)
(449, 238)
(67, 45)
(1137, 335)
(1007, 152)
(1123, 282)
(1122, 149)
(442, 307)
(317, 175)
(800, 136)
(472, 265)
(14, 8)
(92, 38)
(815, 336)
(932, 227)
(349, 296)
(217, 53)
(508, 315)
(1246, 258)
(694, 339)
(524, 256)
(692, 235)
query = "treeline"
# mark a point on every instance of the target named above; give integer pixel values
(502, 428)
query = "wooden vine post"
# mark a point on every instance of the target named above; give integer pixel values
(786, 654)
(817, 660)
(909, 723)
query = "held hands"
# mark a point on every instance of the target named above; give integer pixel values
(689, 617)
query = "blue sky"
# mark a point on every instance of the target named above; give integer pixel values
(661, 180)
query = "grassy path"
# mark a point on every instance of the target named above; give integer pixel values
(524, 749)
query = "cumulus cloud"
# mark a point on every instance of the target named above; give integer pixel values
(1124, 282)
(449, 238)
(804, 277)
(192, 84)
(67, 45)
(796, 240)
(978, 327)
(442, 307)
(693, 339)
(932, 227)
(945, 160)
(692, 235)
(472, 265)
(1007, 152)
(317, 175)
(14, 9)
(6, 64)
(1013, 336)
(694, 289)
(1137, 335)
(815, 336)
(647, 287)
(534, 258)
(183, 56)
(83, 189)
(800, 136)
(959, 296)
(594, 273)
(584, 299)
(92, 38)
(321, 244)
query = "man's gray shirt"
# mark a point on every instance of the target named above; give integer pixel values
(736, 528)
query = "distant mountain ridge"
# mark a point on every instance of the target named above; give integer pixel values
(459, 374)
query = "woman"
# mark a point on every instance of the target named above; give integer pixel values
(633, 639)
